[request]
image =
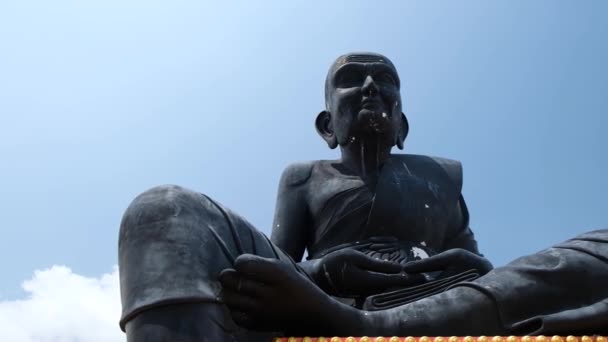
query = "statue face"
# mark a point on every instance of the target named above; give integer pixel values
(363, 99)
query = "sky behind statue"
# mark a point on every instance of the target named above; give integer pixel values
(102, 100)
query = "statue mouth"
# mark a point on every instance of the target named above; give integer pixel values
(371, 104)
(374, 109)
(377, 114)
(376, 120)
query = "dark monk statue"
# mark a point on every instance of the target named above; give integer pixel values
(388, 243)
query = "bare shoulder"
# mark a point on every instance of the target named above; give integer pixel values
(297, 174)
(302, 174)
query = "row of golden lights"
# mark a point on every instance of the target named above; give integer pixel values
(539, 338)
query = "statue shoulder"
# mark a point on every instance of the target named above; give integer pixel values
(452, 168)
(297, 173)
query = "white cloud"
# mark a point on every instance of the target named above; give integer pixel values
(62, 306)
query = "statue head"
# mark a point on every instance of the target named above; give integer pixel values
(362, 102)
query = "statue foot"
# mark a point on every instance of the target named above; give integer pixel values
(271, 294)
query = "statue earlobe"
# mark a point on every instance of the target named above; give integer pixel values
(325, 129)
(403, 130)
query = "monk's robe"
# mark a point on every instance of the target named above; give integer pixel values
(416, 202)
(414, 211)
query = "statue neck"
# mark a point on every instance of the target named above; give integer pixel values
(365, 157)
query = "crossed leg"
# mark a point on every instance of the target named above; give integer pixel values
(173, 244)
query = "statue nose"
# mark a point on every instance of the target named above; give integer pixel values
(369, 86)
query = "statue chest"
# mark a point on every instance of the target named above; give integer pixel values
(412, 208)
(403, 205)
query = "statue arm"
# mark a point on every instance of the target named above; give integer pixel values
(291, 224)
(461, 235)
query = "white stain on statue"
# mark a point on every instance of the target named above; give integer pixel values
(419, 253)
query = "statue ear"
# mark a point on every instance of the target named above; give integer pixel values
(325, 129)
(404, 128)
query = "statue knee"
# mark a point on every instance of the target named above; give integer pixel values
(164, 251)
(159, 215)
(156, 204)
(173, 244)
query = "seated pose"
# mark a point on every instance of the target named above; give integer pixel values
(389, 247)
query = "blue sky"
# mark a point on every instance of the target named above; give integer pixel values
(100, 100)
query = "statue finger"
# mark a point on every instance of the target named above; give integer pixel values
(435, 263)
(397, 280)
(360, 247)
(231, 279)
(372, 282)
(226, 275)
(383, 247)
(257, 322)
(414, 279)
(239, 301)
(377, 264)
(259, 268)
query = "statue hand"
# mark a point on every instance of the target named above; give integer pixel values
(450, 262)
(348, 272)
(271, 295)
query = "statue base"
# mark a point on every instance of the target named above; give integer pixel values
(539, 338)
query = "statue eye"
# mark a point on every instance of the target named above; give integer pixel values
(386, 79)
(348, 80)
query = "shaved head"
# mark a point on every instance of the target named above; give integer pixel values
(362, 102)
(354, 57)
